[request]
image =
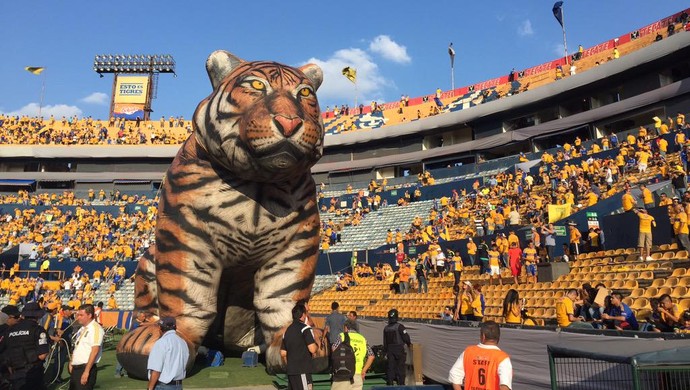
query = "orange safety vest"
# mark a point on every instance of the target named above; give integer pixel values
(481, 367)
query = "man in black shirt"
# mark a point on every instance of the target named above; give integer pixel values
(297, 350)
(25, 346)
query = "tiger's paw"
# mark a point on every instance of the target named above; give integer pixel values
(134, 349)
(274, 362)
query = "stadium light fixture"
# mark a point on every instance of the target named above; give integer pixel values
(134, 63)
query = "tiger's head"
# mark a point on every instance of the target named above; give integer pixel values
(262, 121)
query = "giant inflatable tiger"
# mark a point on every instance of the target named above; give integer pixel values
(237, 234)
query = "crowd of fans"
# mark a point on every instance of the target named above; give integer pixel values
(83, 234)
(26, 130)
(74, 291)
(514, 200)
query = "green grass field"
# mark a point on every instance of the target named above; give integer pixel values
(229, 375)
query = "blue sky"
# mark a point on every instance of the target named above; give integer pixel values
(397, 49)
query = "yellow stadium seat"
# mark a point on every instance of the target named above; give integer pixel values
(671, 282)
(679, 292)
(643, 314)
(640, 303)
(658, 282)
(673, 246)
(668, 256)
(664, 290)
(636, 293)
(651, 292)
(681, 255)
(628, 301)
(684, 304)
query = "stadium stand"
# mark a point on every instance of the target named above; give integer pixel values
(439, 208)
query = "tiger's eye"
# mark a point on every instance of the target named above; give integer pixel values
(258, 85)
(305, 92)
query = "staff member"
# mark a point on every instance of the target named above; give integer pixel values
(364, 356)
(483, 366)
(297, 350)
(168, 358)
(395, 338)
(87, 350)
(25, 347)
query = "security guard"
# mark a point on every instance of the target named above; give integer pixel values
(26, 347)
(394, 339)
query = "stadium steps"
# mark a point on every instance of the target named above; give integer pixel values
(372, 230)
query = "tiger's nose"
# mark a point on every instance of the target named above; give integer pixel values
(287, 126)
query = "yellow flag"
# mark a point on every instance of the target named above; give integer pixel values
(350, 73)
(35, 69)
(559, 211)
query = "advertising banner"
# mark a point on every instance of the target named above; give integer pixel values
(128, 111)
(131, 89)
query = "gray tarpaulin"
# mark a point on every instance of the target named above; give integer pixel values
(442, 345)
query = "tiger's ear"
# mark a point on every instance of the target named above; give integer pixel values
(313, 73)
(219, 64)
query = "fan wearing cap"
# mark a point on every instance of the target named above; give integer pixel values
(25, 346)
(168, 358)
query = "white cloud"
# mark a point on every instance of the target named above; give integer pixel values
(389, 49)
(98, 98)
(336, 89)
(58, 110)
(525, 29)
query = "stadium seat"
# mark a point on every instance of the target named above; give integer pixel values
(664, 290)
(668, 256)
(636, 293)
(671, 282)
(679, 292)
(679, 272)
(684, 304)
(681, 255)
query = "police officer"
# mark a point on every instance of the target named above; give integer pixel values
(394, 339)
(26, 347)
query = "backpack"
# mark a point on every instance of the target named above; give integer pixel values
(343, 361)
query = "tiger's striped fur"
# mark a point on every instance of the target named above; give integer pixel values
(237, 230)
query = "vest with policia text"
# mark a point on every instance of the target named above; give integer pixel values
(481, 367)
(21, 347)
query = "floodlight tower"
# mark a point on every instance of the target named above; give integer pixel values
(132, 95)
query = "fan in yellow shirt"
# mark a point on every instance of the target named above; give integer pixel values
(644, 241)
(628, 201)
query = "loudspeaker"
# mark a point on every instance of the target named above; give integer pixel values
(548, 272)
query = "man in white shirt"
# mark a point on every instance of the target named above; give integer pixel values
(168, 358)
(88, 346)
(481, 366)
